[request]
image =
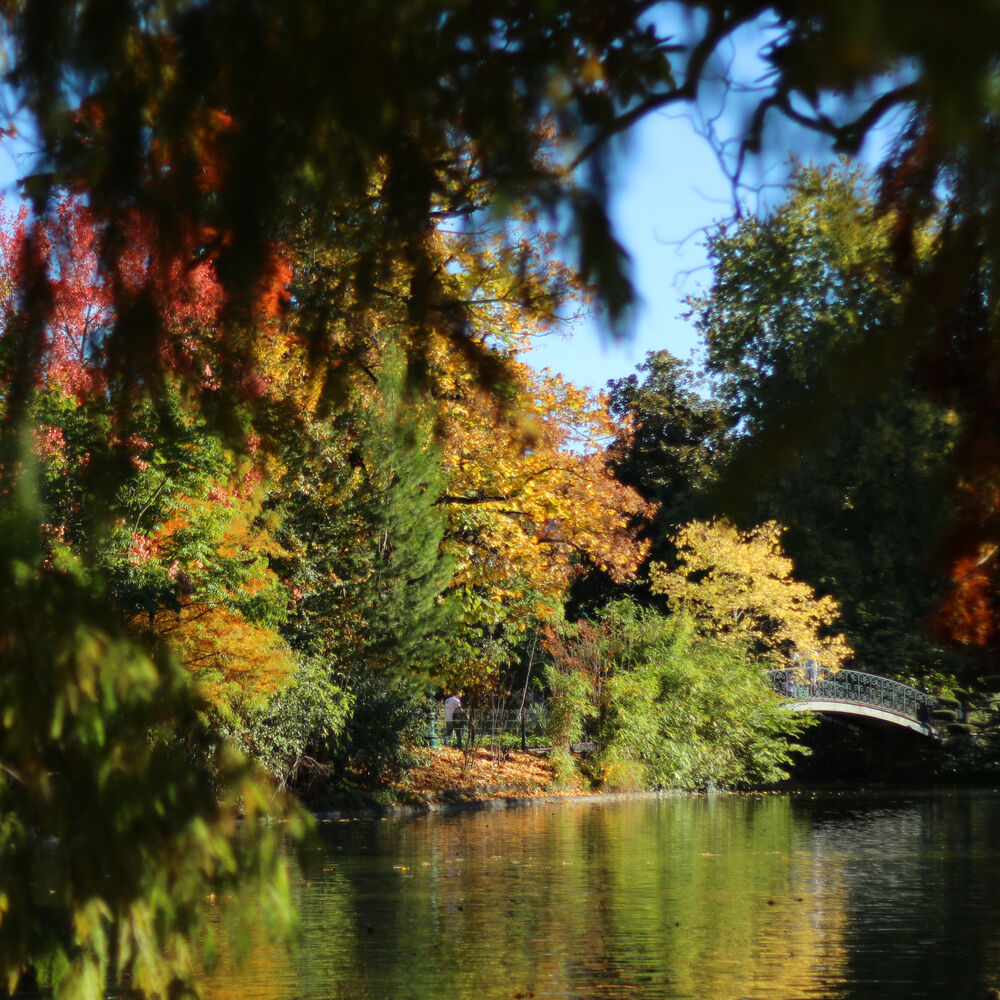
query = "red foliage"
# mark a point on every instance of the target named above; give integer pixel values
(68, 247)
(968, 613)
(272, 288)
(99, 275)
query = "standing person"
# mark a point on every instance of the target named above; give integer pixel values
(452, 704)
(793, 674)
(812, 671)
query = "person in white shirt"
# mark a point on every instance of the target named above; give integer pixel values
(453, 707)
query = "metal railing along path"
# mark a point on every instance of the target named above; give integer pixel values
(493, 724)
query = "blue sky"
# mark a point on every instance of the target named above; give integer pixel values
(670, 190)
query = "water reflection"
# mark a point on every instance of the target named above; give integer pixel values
(764, 897)
(921, 893)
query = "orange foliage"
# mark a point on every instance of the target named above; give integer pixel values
(233, 662)
(478, 774)
(968, 613)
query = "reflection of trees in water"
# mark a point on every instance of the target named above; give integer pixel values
(252, 965)
(703, 898)
(673, 897)
(919, 879)
(258, 969)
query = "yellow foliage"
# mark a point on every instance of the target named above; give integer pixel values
(739, 586)
(531, 492)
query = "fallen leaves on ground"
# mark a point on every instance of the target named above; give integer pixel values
(449, 774)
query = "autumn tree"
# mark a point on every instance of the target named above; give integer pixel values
(525, 488)
(204, 127)
(739, 587)
(287, 110)
(531, 501)
(957, 366)
(180, 544)
(114, 522)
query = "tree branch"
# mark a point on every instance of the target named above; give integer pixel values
(687, 91)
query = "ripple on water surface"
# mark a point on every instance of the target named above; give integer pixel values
(766, 897)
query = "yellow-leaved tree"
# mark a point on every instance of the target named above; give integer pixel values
(531, 500)
(739, 586)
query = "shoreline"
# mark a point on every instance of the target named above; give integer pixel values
(447, 782)
(412, 810)
(416, 810)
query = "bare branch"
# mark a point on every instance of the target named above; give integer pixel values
(687, 91)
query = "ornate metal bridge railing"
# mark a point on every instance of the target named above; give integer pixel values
(857, 688)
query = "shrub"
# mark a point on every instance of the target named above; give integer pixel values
(386, 722)
(666, 707)
(571, 703)
(564, 769)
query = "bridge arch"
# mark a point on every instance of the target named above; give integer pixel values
(854, 692)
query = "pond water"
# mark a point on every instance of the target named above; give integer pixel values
(704, 898)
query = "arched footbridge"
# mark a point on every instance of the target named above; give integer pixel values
(851, 692)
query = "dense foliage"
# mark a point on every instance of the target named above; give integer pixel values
(740, 587)
(785, 423)
(267, 448)
(108, 746)
(665, 706)
(270, 609)
(857, 474)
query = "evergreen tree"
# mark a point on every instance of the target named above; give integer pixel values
(362, 536)
(678, 441)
